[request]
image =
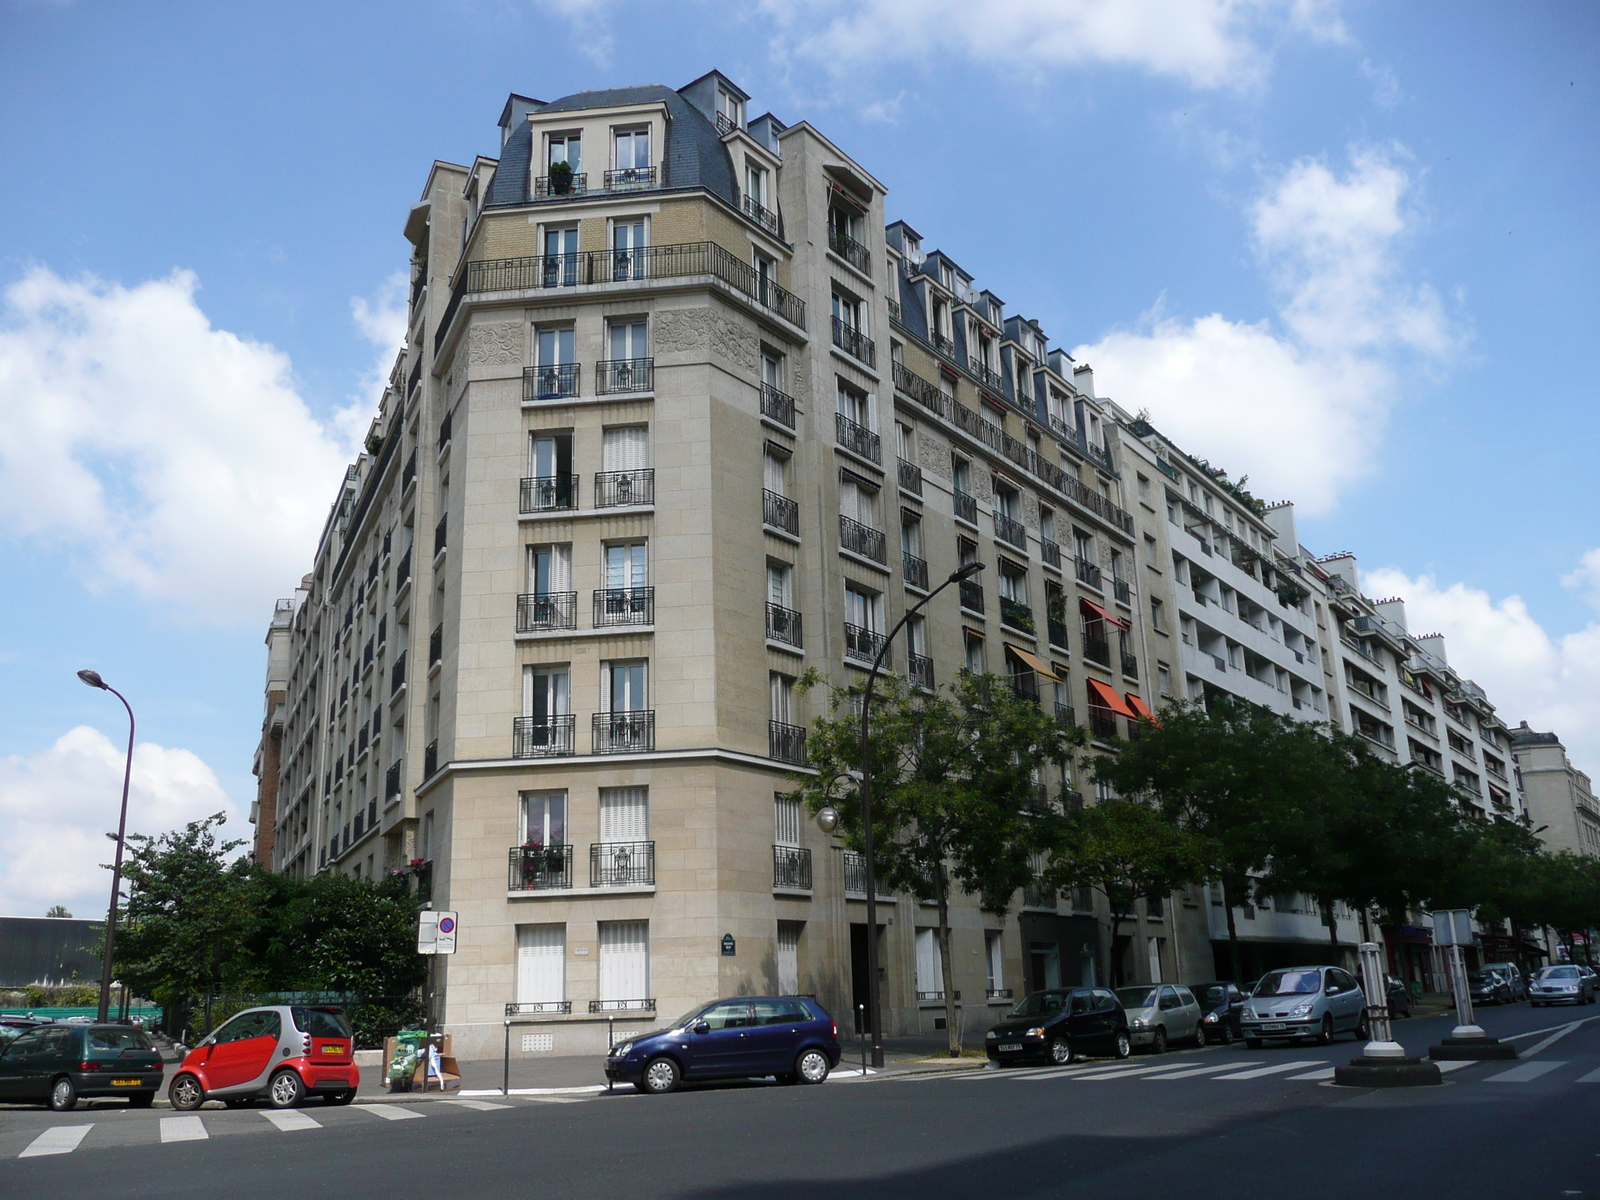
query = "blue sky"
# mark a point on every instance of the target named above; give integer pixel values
(1348, 249)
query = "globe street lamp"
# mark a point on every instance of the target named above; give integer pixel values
(865, 792)
(92, 678)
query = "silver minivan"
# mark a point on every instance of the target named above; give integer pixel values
(1304, 1002)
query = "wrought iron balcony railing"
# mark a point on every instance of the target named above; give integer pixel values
(855, 876)
(624, 732)
(1058, 634)
(988, 377)
(1121, 589)
(622, 864)
(543, 737)
(408, 475)
(759, 213)
(784, 625)
(402, 570)
(857, 438)
(1096, 649)
(1036, 895)
(624, 606)
(966, 507)
(780, 512)
(910, 476)
(921, 669)
(615, 376)
(550, 383)
(1010, 531)
(777, 405)
(444, 431)
(916, 571)
(854, 343)
(539, 869)
(791, 868)
(613, 489)
(786, 743)
(539, 1008)
(541, 611)
(1016, 614)
(397, 674)
(568, 184)
(1087, 572)
(862, 644)
(623, 1006)
(852, 251)
(430, 759)
(630, 179)
(1130, 666)
(863, 540)
(391, 783)
(1066, 715)
(440, 532)
(971, 595)
(1102, 723)
(549, 493)
(1050, 552)
(436, 645)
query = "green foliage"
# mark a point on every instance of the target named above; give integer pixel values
(57, 910)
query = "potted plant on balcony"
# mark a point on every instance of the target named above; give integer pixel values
(560, 178)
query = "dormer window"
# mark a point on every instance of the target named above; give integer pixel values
(567, 148)
(730, 111)
(632, 152)
(564, 167)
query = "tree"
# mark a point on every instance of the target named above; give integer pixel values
(956, 799)
(57, 910)
(1128, 851)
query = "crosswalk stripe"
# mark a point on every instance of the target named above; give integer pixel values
(183, 1129)
(58, 1139)
(478, 1105)
(1275, 1070)
(1455, 1065)
(1526, 1072)
(1591, 1077)
(1191, 1072)
(1325, 1073)
(389, 1112)
(1131, 1073)
(1083, 1070)
(289, 1120)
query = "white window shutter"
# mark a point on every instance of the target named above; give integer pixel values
(541, 963)
(625, 814)
(624, 960)
(789, 957)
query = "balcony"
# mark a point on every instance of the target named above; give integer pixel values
(855, 876)
(759, 213)
(989, 378)
(786, 743)
(1010, 532)
(534, 868)
(570, 184)
(430, 759)
(857, 439)
(997, 995)
(791, 868)
(397, 674)
(625, 732)
(1096, 649)
(860, 539)
(619, 376)
(920, 667)
(862, 645)
(1025, 685)
(550, 383)
(625, 1006)
(615, 489)
(550, 493)
(1036, 895)
(630, 179)
(943, 345)
(966, 507)
(783, 625)
(910, 476)
(1065, 714)
(402, 570)
(391, 784)
(1057, 631)
(1088, 573)
(1121, 589)
(1050, 552)
(1130, 666)
(408, 475)
(854, 343)
(544, 611)
(543, 737)
(436, 645)
(444, 432)
(1016, 614)
(622, 864)
(624, 606)
(852, 251)
(1102, 724)
(916, 571)
(439, 534)
(780, 512)
(778, 406)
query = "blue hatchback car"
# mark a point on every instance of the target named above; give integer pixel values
(788, 1037)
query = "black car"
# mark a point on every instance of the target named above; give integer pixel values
(1220, 1004)
(1058, 1025)
(1488, 987)
(56, 1064)
(1399, 997)
(791, 1038)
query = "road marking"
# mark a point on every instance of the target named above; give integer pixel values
(1552, 1039)
(1526, 1072)
(1325, 1073)
(1446, 1067)
(183, 1129)
(289, 1120)
(478, 1105)
(1591, 1077)
(389, 1112)
(1078, 1070)
(58, 1139)
(1276, 1070)
(592, 1089)
(1511, 1037)
(1136, 1071)
(1190, 1072)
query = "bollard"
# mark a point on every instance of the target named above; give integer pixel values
(1467, 1040)
(1383, 1062)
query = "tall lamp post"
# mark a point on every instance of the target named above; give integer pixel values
(864, 790)
(92, 678)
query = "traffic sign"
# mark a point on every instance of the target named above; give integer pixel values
(436, 932)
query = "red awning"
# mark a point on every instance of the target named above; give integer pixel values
(1140, 707)
(1119, 622)
(1106, 696)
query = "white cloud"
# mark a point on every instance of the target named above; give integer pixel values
(1300, 406)
(173, 459)
(1552, 682)
(1205, 43)
(57, 806)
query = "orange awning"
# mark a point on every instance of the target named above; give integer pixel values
(1034, 661)
(1119, 622)
(1140, 707)
(1106, 696)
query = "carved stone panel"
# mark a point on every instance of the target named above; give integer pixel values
(497, 345)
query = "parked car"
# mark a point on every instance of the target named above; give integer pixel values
(1513, 977)
(55, 1064)
(1304, 1002)
(1399, 996)
(1220, 1006)
(1564, 984)
(279, 1053)
(1161, 1013)
(1488, 987)
(12, 1026)
(1058, 1025)
(790, 1038)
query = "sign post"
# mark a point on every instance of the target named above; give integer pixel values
(1452, 929)
(1384, 1062)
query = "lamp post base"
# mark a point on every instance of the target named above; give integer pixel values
(1457, 1049)
(1387, 1073)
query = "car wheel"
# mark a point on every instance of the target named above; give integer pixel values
(63, 1095)
(1200, 1036)
(1122, 1047)
(1253, 1043)
(812, 1066)
(1060, 1051)
(1227, 1035)
(1158, 1041)
(141, 1099)
(186, 1094)
(661, 1076)
(285, 1090)
(344, 1097)
(1325, 1033)
(1363, 1029)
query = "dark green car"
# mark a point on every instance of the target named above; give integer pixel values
(57, 1064)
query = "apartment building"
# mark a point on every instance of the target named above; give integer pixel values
(671, 391)
(1559, 798)
(268, 763)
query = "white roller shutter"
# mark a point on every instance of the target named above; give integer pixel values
(541, 963)
(930, 968)
(789, 957)
(624, 960)
(625, 814)
(626, 448)
(785, 820)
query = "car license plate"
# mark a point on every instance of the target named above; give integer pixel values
(332, 1049)
(1011, 1046)
(1273, 1025)
(126, 1082)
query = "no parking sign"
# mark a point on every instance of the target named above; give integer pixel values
(436, 932)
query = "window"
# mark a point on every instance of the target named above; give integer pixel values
(550, 569)
(786, 820)
(625, 814)
(905, 444)
(567, 148)
(755, 184)
(788, 966)
(624, 960)
(626, 565)
(1158, 615)
(627, 248)
(544, 818)
(774, 472)
(633, 151)
(628, 340)
(1013, 583)
(1164, 679)
(961, 472)
(772, 369)
(546, 694)
(550, 464)
(729, 108)
(1152, 555)
(1144, 487)
(780, 703)
(974, 652)
(930, 965)
(623, 686)
(911, 538)
(994, 959)
(541, 964)
(858, 502)
(863, 609)
(847, 311)
(854, 406)
(779, 578)
(1047, 524)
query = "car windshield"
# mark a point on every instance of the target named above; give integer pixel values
(1290, 983)
(691, 1015)
(321, 1022)
(1559, 973)
(1138, 997)
(1040, 1004)
(119, 1039)
(7, 1032)
(1210, 993)
(1481, 977)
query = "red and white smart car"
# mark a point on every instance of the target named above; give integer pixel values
(280, 1053)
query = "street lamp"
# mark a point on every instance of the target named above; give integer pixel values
(865, 791)
(92, 678)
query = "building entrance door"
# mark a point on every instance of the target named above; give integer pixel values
(1044, 966)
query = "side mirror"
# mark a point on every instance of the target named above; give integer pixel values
(702, 1027)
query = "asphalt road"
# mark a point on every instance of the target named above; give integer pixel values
(1192, 1124)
